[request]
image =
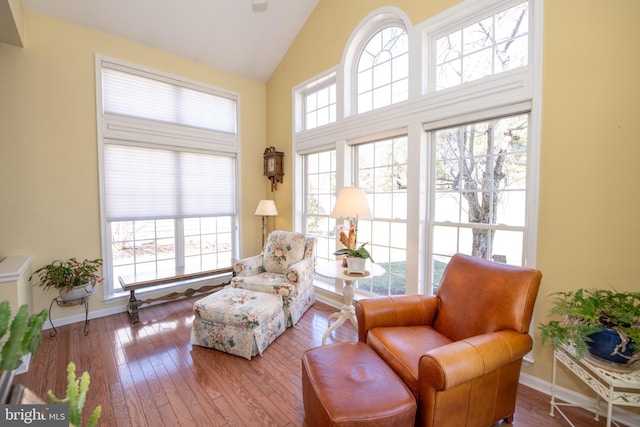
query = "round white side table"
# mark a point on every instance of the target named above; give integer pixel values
(335, 270)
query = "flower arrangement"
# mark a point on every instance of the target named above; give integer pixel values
(68, 274)
(349, 242)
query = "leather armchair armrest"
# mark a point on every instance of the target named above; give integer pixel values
(399, 310)
(249, 266)
(450, 365)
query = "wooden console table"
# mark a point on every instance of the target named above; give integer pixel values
(140, 281)
(616, 388)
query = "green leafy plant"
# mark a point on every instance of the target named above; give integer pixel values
(360, 252)
(24, 334)
(68, 274)
(585, 312)
(76, 397)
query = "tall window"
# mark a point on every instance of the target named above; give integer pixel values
(382, 172)
(383, 70)
(168, 181)
(320, 189)
(480, 191)
(447, 171)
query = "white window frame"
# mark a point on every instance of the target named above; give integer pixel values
(320, 255)
(456, 104)
(367, 228)
(300, 93)
(391, 84)
(457, 20)
(133, 131)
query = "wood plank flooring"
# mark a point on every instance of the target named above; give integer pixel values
(147, 374)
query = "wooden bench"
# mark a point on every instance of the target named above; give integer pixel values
(145, 280)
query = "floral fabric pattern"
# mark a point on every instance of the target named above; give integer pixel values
(282, 250)
(238, 321)
(294, 285)
(249, 266)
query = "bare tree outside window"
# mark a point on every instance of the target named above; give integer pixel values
(493, 45)
(481, 185)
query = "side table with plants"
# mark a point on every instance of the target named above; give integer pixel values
(73, 279)
(21, 335)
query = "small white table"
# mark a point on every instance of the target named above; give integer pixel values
(335, 270)
(616, 388)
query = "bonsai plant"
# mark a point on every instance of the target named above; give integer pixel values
(69, 274)
(591, 314)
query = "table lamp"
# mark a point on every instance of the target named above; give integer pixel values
(266, 208)
(351, 204)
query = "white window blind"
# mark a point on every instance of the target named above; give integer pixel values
(149, 183)
(140, 95)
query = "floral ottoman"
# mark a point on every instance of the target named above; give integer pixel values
(238, 321)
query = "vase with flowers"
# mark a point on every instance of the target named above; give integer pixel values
(73, 279)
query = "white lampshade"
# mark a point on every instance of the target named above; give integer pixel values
(351, 203)
(266, 208)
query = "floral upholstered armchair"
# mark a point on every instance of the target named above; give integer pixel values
(285, 267)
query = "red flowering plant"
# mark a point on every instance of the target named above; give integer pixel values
(68, 274)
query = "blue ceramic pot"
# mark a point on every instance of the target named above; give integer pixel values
(603, 345)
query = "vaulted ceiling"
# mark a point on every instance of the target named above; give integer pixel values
(241, 37)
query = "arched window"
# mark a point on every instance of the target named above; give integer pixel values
(382, 72)
(449, 160)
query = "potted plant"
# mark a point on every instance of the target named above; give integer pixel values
(73, 279)
(76, 396)
(21, 336)
(603, 322)
(356, 258)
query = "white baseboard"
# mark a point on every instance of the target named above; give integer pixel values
(585, 402)
(329, 301)
(68, 320)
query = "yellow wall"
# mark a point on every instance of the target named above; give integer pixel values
(48, 158)
(588, 230)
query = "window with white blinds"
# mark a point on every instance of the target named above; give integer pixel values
(169, 151)
(146, 183)
(143, 95)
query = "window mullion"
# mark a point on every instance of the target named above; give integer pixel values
(179, 242)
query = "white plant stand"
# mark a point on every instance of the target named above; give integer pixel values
(615, 388)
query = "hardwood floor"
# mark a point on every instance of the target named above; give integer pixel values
(148, 374)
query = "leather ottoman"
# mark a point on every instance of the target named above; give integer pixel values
(348, 384)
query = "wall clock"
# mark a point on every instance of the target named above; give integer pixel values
(273, 166)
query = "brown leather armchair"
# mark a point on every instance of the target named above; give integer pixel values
(460, 351)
